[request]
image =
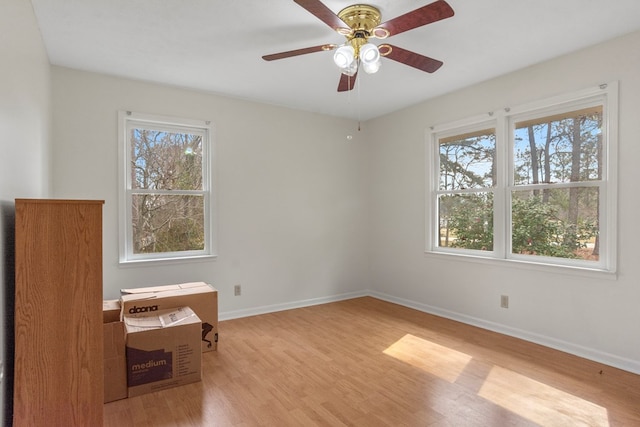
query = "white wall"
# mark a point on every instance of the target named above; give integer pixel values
(595, 317)
(292, 190)
(305, 215)
(24, 138)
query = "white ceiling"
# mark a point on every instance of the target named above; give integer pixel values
(217, 45)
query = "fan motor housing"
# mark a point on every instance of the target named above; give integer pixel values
(360, 17)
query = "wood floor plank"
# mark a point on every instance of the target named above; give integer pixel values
(366, 362)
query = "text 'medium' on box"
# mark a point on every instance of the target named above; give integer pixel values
(163, 350)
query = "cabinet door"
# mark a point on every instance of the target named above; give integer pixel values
(58, 313)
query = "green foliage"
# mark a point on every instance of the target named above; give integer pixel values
(471, 219)
(537, 226)
(184, 235)
(537, 230)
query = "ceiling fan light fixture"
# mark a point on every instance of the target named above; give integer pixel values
(362, 23)
(351, 70)
(371, 68)
(344, 56)
(369, 53)
(370, 58)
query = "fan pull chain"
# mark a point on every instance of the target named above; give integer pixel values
(358, 83)
(349, 93)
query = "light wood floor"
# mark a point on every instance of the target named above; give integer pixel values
(366, 362)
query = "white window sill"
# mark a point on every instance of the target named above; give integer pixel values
(528, 265)
(166, 261)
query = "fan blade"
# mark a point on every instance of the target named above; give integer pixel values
(347, 82)
(409, 58)
(422, 16)
(297, 52)
(323, 13)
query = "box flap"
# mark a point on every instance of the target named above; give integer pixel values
(110, 304)
(111, 311)
(165, 288)
(161, 319)
(138, 296)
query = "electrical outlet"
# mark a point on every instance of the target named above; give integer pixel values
(237, 290)
(504, 301)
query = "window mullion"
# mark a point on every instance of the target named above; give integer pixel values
(432, 167)
(501, 194)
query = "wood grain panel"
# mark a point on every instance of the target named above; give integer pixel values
(58, 313)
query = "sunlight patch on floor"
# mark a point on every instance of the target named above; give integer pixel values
(539, 402)
(433, 358)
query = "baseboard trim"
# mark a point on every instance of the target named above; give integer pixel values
(235, 314)
(567, 347)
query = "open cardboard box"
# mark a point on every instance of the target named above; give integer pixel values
(200, 296)
(163, 350)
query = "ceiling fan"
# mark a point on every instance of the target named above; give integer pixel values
(360, 22)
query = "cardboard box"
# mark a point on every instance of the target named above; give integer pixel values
(110, 311)
(163, 350)
(115, 363)
(201, 297)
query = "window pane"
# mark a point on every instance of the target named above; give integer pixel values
(468, 160)
(556, 222)
(466, 221)
(165, 161)
(560, 148)
(164, 223)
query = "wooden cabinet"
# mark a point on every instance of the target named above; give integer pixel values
(58, 313)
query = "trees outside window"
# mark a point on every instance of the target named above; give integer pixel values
(467, 181)
(166, 197)
(557, 176)
(528, 184)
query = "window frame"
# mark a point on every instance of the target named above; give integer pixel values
(128, 119)
(503, 121)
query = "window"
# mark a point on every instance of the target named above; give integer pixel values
(166, 188)
(532, 184)
(466, 190)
